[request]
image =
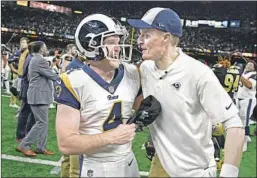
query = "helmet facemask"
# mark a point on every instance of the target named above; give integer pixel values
(125, 50)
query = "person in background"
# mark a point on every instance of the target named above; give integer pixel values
(50, 59)
(40, 96)
(16, 62)
(67, 58)
(55, 65)
(246, 97)
(24, 47)
(25, 117)
(77, 62)
(5, 70)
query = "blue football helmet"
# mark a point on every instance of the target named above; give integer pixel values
(92, 31)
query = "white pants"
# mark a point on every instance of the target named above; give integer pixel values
(15, 83)
(6, 72)
(126, 167)
(246, 107)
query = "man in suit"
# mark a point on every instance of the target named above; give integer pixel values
(40, 96)
(25, 119)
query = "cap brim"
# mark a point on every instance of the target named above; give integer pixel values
(137, 23)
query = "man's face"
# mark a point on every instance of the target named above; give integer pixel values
(151, 44)
(23, 44)
(44, 50)
(58, 61)
(112, 45)
(249, 67)
(74, 51)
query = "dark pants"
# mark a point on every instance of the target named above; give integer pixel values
(25, 120)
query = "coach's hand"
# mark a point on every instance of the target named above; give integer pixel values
(148, 111)
(122, 134)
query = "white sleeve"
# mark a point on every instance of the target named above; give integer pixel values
(144, 72)
(233, 121)
(253, 81)
(214, 99)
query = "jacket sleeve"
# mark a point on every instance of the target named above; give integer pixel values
(46, 71)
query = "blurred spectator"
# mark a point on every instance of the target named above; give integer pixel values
(39, 97)
(5, 70)
(55, 65)
(67, 58)
(16, 62)
(25, 118)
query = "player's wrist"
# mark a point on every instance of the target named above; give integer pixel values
(229, 170)
(107, 138)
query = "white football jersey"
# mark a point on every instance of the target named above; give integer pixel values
(243, 91)
(103, 105)
(192, 100)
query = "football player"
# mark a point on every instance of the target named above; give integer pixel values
(95, 101)
(228, 76)
(246, 97)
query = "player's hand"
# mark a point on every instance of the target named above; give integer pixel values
(122, 134)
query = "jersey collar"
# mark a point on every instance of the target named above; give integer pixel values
(109, 87)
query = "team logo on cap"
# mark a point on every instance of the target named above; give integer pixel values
(161, 25)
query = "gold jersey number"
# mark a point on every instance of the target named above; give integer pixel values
(231, 82)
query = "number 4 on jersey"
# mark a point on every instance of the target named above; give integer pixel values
(114, 118)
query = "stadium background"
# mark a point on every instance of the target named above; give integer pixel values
(209, 30)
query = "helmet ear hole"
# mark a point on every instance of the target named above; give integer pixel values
(86, 44)
(94, 43)
(103, 51)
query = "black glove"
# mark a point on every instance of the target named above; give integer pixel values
(148, 111)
